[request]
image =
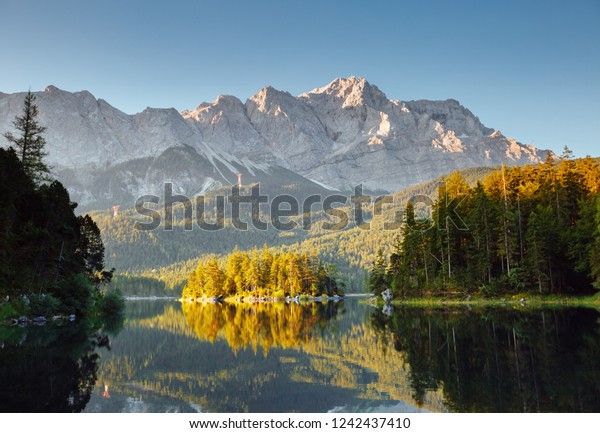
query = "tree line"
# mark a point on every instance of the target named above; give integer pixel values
(51, 261)
(261, 274)
(522, 229)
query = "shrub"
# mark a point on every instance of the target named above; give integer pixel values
(11, 310)
(76, 294)
(112, 303)
(44, 305)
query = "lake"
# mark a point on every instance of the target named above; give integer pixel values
(315, 357)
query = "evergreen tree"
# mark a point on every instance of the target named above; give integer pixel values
(30, 144)
(215, 279)
(233, 268)
(529, 228)
(91, 250)
(47, 253)
(377, 278)
(408, 256)
(266, 262)
(594, 254)
(261, 274)
(480, 248)
(539, 239)
(188, 290)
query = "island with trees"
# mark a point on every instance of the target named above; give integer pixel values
(263, 275)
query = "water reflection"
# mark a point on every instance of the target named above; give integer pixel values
(249, 358)
(265, 325)
(307, 358)
(499, 360)
(348, 357)
(51, 368)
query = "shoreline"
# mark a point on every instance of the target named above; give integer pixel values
(151, 298)
(263, 299)
(521, 301)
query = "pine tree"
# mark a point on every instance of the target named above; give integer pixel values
(251, 272)
(294, 275)
(594, 254)
(480, 251)
(30, 145)
(411, 254)
(215, 279)
(377, 278)
(233, 269)
(449, 217)
(266, 261)
(540, 239)
(189, 289)
(91, 250)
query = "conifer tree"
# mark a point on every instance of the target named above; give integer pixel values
(30, 145)
(594, 253)
(533, 228)
(253, 275)
(378, 279)
(480, 222)
(410, 254)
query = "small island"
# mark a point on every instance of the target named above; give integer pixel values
(262, 276)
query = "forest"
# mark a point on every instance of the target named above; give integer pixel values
(51, 261)
(262, 274)
(158, 262)
(529, 229)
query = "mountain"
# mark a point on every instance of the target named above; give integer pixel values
(331, 138)
(166, 257)
(106, 157)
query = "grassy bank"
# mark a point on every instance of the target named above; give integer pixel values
(522, 300)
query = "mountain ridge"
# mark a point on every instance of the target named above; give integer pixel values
(337, 136)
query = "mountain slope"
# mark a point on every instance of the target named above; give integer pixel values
(335, 137)
(169, 256)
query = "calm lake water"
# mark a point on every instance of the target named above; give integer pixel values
(347, 357)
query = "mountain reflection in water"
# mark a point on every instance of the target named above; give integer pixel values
(276, 357)
(261, 357)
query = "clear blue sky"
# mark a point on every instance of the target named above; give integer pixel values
(528, 68)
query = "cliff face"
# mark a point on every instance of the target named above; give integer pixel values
(341, 135)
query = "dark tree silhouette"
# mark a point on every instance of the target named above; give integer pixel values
(30, 144)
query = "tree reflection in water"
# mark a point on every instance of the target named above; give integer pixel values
(51, 368)
(500, 360)
(269, 324)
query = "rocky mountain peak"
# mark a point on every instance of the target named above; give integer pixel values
(223, 104)
(340, 135)
(270, 98)
(228, 101)
(352, 92)
(50, 88)
(53, 91)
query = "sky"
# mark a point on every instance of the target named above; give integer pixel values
(528, 68)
